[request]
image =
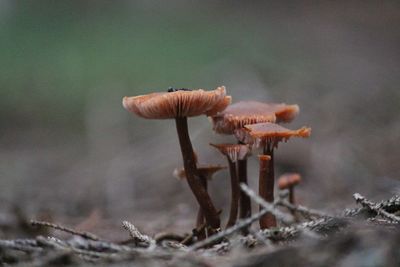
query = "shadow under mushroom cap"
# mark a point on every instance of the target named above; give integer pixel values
(168, 105)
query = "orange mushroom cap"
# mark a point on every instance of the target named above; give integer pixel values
(250, 112)
(233, 151)
(264, 157)
(206, 170)
(168, 105)
(261, 133)
(288, 179)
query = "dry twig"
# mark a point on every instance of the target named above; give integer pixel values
(302, 209)
(285, 218)
(65, 229)
(137, 236)
(375, 207)
(244, 222)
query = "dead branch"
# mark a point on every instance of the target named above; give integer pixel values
(285, 218)
(302, 209)
(65, 229)
(25, 245)
(138, 237)
(169, 236)
(244, 222)
(375, 207)
(392, 205)
(314, 229)
(260, 237)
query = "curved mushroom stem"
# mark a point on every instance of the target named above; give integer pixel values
(192, 176)
(235, 192)
(266, 184)
(200, 214)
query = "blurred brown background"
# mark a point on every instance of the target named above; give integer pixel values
(67, 147)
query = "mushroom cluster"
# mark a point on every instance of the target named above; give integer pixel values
(254, 124)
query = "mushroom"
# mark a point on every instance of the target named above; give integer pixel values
(206, 172)
(289, 181)
(179, 104)
(233, 153)
(243, 113)
(268, 135)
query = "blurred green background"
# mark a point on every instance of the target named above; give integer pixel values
(68, 147)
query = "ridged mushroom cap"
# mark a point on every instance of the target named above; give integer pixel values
(181, 103)
(263, 133)
(244, 113)
(205, 170)
(288, 179)
(233, 151)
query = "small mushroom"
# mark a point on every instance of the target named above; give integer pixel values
(179, 104)
(233, 153)
(242, 113)
(206, 172)
(289, 181)
(268, 135)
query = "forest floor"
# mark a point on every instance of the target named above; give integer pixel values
(364, 236)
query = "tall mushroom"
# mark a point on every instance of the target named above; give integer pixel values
(179, 104)
(233, 153)
(268, 135)
(243, 113)
(206, 172)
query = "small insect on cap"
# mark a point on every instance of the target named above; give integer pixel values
(205, 170)
(262, 133)
(288, 179)
(250, 112)
(233, 151)
(178, 103)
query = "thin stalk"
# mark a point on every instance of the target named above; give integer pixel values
(200, 214)
(192, 176)
(266, 185)
(244, 200)
(291, 194)
(245, 203)
(235, 194)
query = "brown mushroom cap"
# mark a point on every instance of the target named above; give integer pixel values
(264, 157)
(233, 151)
(261, 133)
(288, 179)
(285, 113)
(168, 105)
(205, 170)
(250, 112)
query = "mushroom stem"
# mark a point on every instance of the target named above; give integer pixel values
(244, 199)
(291, 194)
(245, 203)
(266, 185)
(235, 192)
(192, 176)
(200, 214)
